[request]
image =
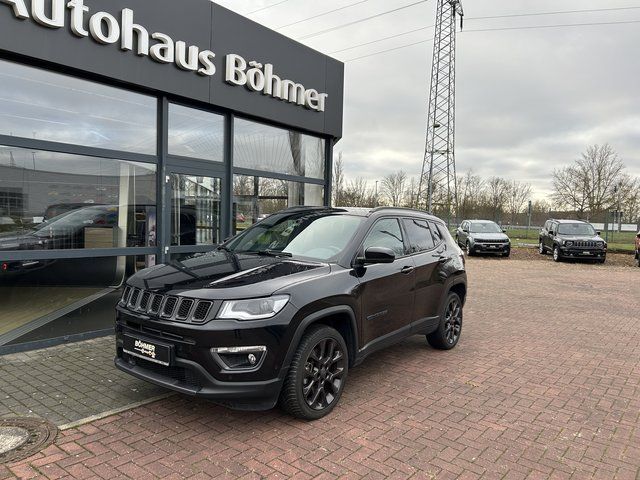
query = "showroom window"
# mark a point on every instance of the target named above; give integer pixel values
(56, 201)
(195, 210)
(195, 133)
(42, 105)
(255, 198)
(270, 149)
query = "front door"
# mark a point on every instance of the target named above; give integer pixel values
(387, 290)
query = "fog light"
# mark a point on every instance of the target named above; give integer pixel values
(239, 358)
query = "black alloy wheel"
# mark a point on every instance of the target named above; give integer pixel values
(507, 252)
(468, 249)
(450, 327)
(557, 257)
(317, 375)
(541, 249)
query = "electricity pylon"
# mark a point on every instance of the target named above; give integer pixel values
(438, 175)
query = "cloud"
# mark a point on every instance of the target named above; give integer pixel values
(528, 101)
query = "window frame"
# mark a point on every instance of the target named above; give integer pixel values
(360, 250)
(418, 219)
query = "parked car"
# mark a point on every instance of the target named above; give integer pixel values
(638, 248)
(483, 236)
(571, 239)
(281, 312)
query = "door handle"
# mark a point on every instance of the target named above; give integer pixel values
(407, 269)
(441, 258)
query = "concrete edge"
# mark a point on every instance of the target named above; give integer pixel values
(108, 413)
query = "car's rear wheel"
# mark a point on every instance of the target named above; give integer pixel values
(557, 257)
(317, 375)
(450, 326)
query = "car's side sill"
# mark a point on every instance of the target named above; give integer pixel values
(383, 342)
(425, 325)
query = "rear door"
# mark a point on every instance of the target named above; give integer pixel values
(427, 260)
(387, 290)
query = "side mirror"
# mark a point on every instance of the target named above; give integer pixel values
(638, 235)
(465, 230)
(504, 230)
(598, 233)
(374, 255)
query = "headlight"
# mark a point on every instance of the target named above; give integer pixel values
(254, 308)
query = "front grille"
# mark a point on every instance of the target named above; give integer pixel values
(133, 301)
(181, 374)
(169, 306)
(586, 244)
(201, 311)
(155, 304)
(144, 301)
(184, 308)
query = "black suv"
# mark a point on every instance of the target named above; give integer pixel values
(281, 311)
(571, 239)
(483, 236)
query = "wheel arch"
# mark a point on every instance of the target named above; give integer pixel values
(461, 289)
(341, 318)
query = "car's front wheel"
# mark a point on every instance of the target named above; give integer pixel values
(468, 249)
(317, 375)
(557, 257)
(638, 259)
(450, 326)
(541, 249)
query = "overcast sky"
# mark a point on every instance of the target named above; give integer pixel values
(528, 100)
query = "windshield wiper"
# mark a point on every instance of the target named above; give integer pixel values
(273, 253)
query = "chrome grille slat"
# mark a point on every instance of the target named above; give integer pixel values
(133, 300)
(202, 310)
(144, 301)
(166, 307)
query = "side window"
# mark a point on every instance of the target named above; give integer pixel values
(386, 233)
(420, 238)
(438, 237)
(546, 225)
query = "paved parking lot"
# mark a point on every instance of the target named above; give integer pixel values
(545, 383)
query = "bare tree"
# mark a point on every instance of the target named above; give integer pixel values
(393, 186)
(498, 193)
(338, 180)
(470, 192)
(358, 194)
(518, 194)
(588, 185)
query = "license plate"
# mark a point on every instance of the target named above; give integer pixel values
(586, 253)
(493, 246)
(147, 349)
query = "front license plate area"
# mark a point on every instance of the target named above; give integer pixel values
(148, 349)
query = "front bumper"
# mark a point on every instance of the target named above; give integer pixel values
(491, 247)
(195, 370)
(577, 252)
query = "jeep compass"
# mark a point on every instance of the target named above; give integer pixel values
(281, 312)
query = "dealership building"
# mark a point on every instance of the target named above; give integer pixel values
(134, 132)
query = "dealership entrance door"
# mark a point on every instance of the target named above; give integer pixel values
(193, 209)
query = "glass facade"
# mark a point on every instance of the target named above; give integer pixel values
(43, 105)
(97, 182)
(54, 200)
(255, 198)
(270, 149)
(195, 133)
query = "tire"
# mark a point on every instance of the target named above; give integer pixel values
(468, 249)
(638, 259)
(602, 260)
(450, 326)
(541, 249)
(507, 253)
(557, 257)
(313, 365)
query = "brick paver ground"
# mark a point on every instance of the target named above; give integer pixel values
(67, 383)
(545, 383)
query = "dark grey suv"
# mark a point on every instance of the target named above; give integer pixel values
(282, 311)
(571, 239)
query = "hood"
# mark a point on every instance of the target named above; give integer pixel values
(574, 238)
(490, 236)
(18, 241)
(225, 275)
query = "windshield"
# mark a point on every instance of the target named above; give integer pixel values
(484, 227)
(576, 229)
(319, 236)
(84, 217)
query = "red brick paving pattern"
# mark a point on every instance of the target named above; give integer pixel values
(544, 384)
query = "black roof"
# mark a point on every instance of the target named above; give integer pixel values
(363, 211)
(568, 221)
